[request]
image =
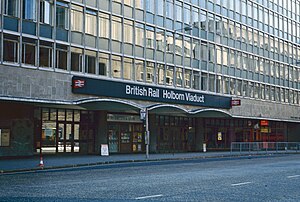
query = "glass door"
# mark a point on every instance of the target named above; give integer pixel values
(68, 137)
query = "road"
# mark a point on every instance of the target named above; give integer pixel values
(271, 178)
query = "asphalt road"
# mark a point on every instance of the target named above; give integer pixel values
(272, 178)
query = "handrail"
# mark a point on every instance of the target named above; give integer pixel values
(264, 147)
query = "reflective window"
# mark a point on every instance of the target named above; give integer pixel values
(11, 7)
(10, 49)
(29, 9)
(45, 52)
(62, 15)
(46, 9)
(127, 68)
(28, 52)
(77, 18)
(103, 64)
(90, 22)
(76, 59)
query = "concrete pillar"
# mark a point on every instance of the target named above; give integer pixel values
(199, 136)
(101, 130)
(153, 134)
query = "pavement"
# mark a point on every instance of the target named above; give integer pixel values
(76, 160)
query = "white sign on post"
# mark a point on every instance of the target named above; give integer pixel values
(104, 150)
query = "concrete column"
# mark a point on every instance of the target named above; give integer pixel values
(101, 130)
(153, 134)
(199, 136)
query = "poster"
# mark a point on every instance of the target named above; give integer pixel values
(104, 150)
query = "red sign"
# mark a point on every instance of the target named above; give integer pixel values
(78, 83)
(235, 102)
(264, 123)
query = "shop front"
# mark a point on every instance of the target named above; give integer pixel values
(125, 133)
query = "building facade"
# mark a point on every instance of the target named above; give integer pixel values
(76, 74)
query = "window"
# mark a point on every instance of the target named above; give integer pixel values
(29, 9)
(116, 28)
(46, 8)
(76, 59)
(62, 15)
(139, 34)
(116, 66)
(103, 63)
(104, 26)
(169, 9)
(77, 18)
(139, 70)
(4, 137)
(127, 70)
(169, 75)
(90, 22)
(90, 62)
(11, 7)
(10, 49)
(160, 74)
(28, 51)
(150, 72)
(160, 7)
(128, 32)
(45, 54)
(61, 56)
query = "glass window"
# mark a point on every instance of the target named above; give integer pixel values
(211, 83)
(11, 7)
(90, 62)
(128, 31)
(150, 6)
(179, 76)
(139, 4)
(169, 9)
(150, 37)
(204, 78)
(139, 34)
(29, 9)
(139, 70)
(160, 73)
(46, 9)
(169, 75)
(103, 64)
(116, 66)
(10, 49)
(178, 10)
(91, 22)
(61, 56)
(4, 137)
(160, 4)
(150, 72)
(76, 59)
(45, 54)
(104, 25)
(116, 28)
(77, 18)
(187, 78)
(28, 52)
(128, 66)
(62, 15)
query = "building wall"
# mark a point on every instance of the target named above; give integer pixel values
(19, 119)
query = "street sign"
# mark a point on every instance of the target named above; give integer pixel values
(104, 150)
(143, 113)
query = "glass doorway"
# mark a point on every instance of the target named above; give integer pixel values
(68, 137)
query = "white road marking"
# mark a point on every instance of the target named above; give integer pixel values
(242, 183)
(293, 176)
(152, 196)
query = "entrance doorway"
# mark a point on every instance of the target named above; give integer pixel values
(68, 137)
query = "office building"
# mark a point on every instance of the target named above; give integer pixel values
(177, 74)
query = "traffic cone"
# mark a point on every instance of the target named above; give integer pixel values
(41, 164)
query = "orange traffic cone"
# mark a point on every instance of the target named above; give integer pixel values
(41, 164)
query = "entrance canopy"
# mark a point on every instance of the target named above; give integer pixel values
(126, 106)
